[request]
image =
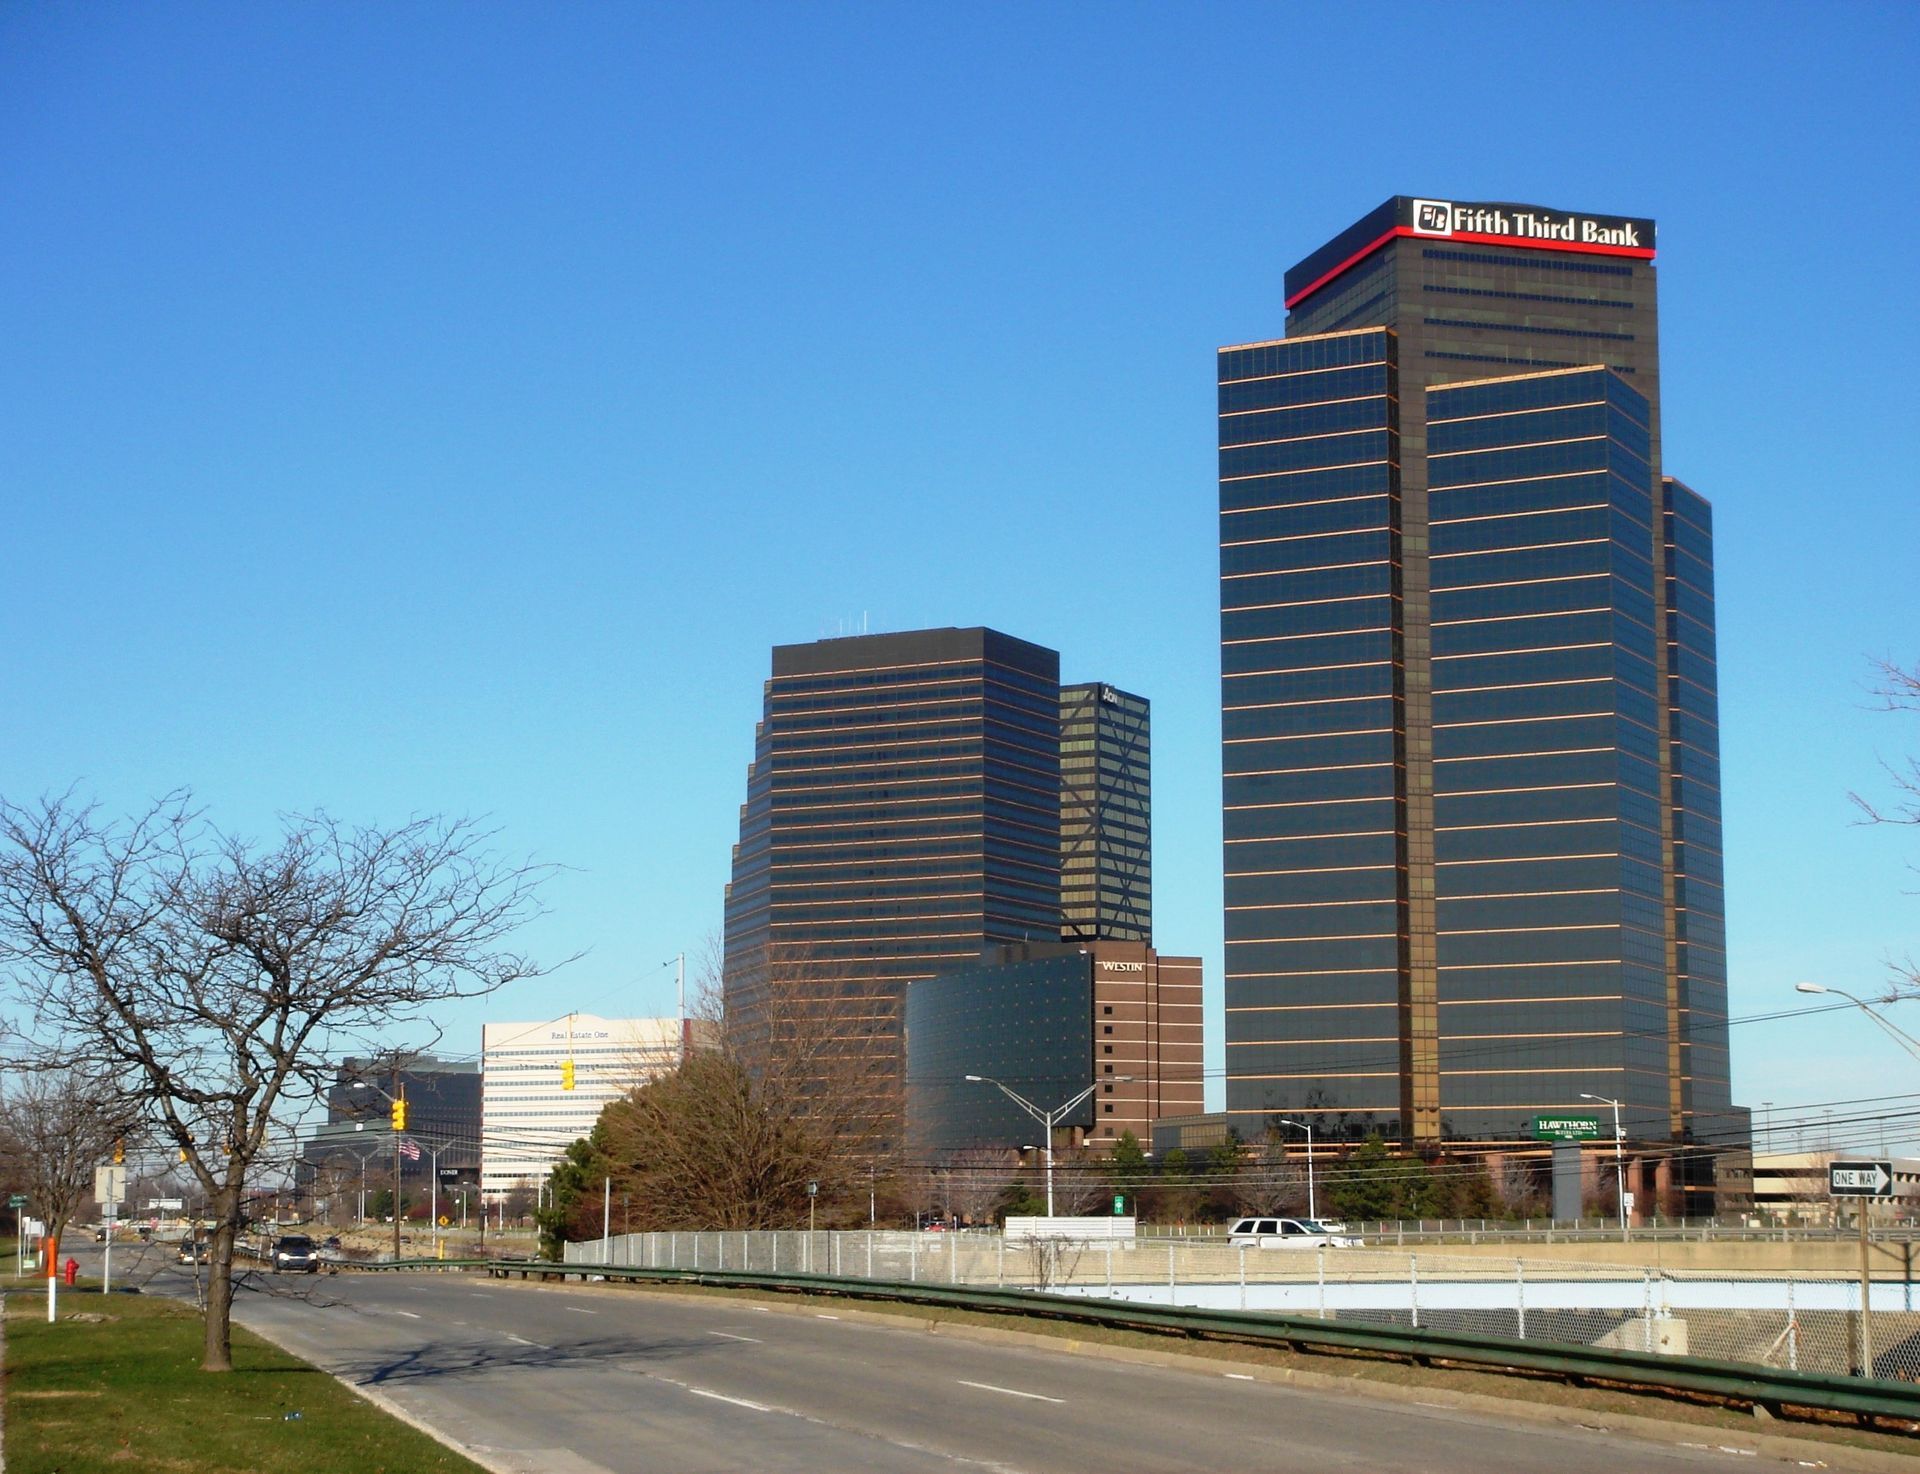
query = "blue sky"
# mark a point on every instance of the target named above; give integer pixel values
(443, 409)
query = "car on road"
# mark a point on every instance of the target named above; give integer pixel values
(1289, 1233)
(192, 1251)
(295, 1251)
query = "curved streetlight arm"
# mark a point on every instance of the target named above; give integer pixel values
(1013, 1095)
(1900, 1036)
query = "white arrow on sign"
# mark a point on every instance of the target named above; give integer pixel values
(1867, 1177)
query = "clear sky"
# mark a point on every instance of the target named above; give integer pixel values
(413, 408)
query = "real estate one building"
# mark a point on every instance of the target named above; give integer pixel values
(1470, 742)
(544, 1084)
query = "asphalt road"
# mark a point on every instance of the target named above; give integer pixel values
(567, 1380)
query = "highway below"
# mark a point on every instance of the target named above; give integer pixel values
(578, 1379)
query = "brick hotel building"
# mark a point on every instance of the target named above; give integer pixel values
(1470, 743)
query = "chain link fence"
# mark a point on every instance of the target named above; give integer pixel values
(1808, 1322)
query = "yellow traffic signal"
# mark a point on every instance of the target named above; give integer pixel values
(400, 1114)
(119, 1151)
(566, 1074)
(183, 1154)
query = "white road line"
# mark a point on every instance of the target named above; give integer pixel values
(758, 1407)
(1011, 1391)
(480, 1294)
(824, 1316)
(578, 1311)
(731, 1337)
(1237, 1376)
(523, 1341)
(409, 1314)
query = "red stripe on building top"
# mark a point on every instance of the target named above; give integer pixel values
(1638, 253)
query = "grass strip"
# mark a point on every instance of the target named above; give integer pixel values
(115, 1385)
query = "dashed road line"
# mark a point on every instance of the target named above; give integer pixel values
(758, 1407)
(1011, 1391)
(731, 1337)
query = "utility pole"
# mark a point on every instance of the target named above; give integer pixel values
(399, 1123)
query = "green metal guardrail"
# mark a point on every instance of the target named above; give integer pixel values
(1872, 1401)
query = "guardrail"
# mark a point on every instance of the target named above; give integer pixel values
(1875, 1403)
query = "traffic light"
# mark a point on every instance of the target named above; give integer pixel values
(566, 1074)
(119, 1151)
(183, 1154)
(400, 1114)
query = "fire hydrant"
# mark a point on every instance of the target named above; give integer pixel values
(73, 1270)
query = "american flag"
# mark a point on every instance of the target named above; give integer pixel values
(410, 1149)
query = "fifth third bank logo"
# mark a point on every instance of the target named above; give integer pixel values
(1433, 217)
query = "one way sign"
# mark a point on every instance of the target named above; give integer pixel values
(1860, 1179)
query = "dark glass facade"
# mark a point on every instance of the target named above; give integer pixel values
(1024, 1023)
(1468, 712)
(902, 814)
(1049, 1020)
(1106, 814)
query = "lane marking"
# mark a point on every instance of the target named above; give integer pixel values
(578, 1311)
(758, 1407)
(1238, 1376)
(480, 1294)
(821, 1314)
(731, 1337)
(1011, 1391)
(409, 1314)
(523, 1341)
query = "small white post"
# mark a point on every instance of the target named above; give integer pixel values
(1793, 1333)
(1646, 1307)
(606, 1222)
(953, 1258)
(106, 1268)
(1243, 1297)
(1413, 1287)
(1170, 1272)
(1321, 1255)
(1243, 1274)
(1520, 1293)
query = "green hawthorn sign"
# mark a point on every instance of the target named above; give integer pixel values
(1566, 1128)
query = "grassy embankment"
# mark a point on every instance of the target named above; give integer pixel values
(115, 1385)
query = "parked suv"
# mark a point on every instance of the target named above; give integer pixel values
(1290, 1233)
(295, 1251)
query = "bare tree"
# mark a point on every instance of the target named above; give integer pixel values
(216, 978)
(795, 1087)
(1268, 1178)
(980, 1178)
(1083, 1180)
(55, 1129)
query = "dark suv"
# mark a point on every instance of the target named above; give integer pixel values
(295, 1251)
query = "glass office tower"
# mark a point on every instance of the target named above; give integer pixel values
(1466, 662)
(902, 815)
(1106, 815)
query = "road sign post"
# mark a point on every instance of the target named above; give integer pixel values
(1862, 1179)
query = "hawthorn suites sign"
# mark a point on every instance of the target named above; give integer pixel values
(1470, 222)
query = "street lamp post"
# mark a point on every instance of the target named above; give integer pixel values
(1619, 1174)
(1047, 1118)
(1307, 1126)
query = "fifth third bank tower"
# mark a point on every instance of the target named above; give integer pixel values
(1470, 715)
